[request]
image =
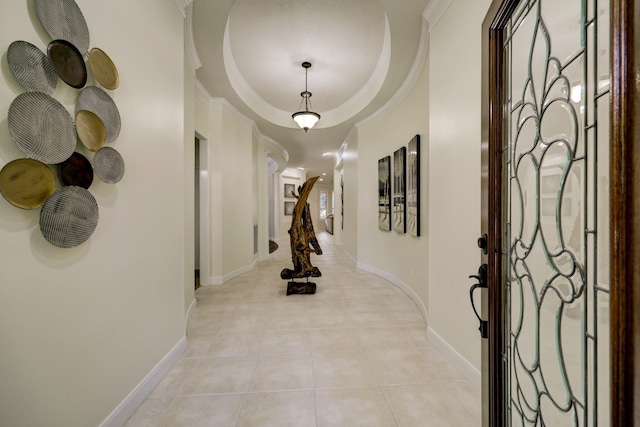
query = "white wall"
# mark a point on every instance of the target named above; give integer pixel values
(189, 188)
(234, 205)
(350, 165)
(288, 176)
(400, 255)
(81, 327)
(454, 174)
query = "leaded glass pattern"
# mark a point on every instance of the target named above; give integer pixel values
(555, 187)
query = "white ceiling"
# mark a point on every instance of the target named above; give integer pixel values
(361, 51)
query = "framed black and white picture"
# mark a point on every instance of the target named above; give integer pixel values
(384, 193)
(288, 207)
(289, 191)
(399, 178)
(413, 187)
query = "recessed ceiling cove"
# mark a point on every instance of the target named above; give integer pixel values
(348, 44)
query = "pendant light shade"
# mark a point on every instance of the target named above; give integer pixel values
(306, 119)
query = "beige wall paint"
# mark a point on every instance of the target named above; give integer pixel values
(401, 255)
(81, 327)
(349, 235)
(189, 190)
(237, 191)
(288, 176)
(233, 205)
(454, 174)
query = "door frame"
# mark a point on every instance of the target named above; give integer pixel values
(624, 202)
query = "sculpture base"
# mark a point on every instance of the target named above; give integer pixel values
(301, 288)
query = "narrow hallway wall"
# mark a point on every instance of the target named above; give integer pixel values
(454, 177)
(80, 328)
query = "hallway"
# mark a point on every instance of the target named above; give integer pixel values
(353, 354)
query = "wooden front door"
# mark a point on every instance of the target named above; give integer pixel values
(561, 211)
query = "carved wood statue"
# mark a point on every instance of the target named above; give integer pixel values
(303, 244)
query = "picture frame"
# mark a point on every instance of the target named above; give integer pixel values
(290, 191)
(399, 180)
(384, 193)
(413, 187)
(288, 208)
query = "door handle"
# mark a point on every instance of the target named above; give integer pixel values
(481, 277)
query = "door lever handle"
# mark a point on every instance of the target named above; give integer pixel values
(481, 277)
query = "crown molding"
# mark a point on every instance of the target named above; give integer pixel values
(189, 42)
(203, 95)
(182, 6)
(255, 131)
(221, 104)
(409, 83)
(275, 147)
(434, 11)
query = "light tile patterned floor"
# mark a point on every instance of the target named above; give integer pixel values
(353, 354)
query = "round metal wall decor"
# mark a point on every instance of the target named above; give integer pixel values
(31, 67)
(97, 101)
(26, 183)
(41, 127)
(108, 165)
(68, 63)
(69, 217)
(45, 131)
(103, 69)
(63, 19)
(91, 130)
(76, 170)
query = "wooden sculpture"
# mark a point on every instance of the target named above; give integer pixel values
(303, 244)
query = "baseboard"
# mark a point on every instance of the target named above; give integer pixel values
(139, 394)
(220, 280)
(467, 369)
(239, 271)
(400, 284)
(190, 311)
(348, 254)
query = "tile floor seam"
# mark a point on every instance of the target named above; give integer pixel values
(384, 322)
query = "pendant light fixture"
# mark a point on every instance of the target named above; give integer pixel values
(306, 119)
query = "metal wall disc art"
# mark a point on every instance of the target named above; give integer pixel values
(63, 19)
(45, 131)
(26, 183)
(97, 101)
(76, 170)
(69, 217)
(31, 67)
(41, 127)
(108, 165)
(91, 130)
(103, 69)
(68, 63)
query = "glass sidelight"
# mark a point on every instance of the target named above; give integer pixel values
(555, 208)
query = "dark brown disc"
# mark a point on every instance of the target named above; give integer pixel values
(68, 63)
(76, 170)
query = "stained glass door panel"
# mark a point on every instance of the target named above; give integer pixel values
(555, 205)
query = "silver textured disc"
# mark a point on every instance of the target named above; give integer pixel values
(96, 100)
(63, 19)
(108, 165)
(31, 67)
(69, 217)
(41, 127)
